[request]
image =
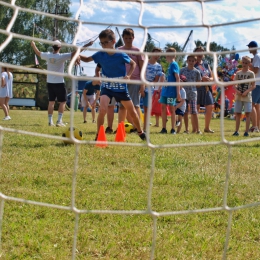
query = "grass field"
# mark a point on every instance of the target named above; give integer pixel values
(117, 178)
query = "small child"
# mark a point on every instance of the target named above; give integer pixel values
(89, 99)
(113, 66)
(180, 108)
(191, 75)
(243, 96)
(170, 93)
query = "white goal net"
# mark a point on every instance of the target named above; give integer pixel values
(165, 220)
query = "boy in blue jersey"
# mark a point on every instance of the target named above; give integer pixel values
(113, 66)
(89, 99)
(170, 93)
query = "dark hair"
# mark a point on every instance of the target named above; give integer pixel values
(107, 34)
(55, 47)
(156, 49)
(199, 48)
(128, 31)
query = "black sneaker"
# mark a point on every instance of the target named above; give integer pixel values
(133, 130)
(163, 131)
(142, 136)
(246, 134)
(109, 130)
(173, 132)
(236, 134)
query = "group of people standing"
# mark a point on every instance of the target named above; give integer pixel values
(6, 91)
(171, 98)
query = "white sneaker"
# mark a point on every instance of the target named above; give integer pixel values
(60, 124)
(51, 124)
(7, 118)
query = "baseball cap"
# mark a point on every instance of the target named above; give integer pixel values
(57, 43)
(252, 44)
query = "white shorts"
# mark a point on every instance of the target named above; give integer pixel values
(90, 98)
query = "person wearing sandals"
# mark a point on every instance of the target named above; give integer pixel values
(204, 93)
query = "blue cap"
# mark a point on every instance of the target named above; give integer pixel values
(252, 44)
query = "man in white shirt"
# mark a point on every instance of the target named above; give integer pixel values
(255, 67)
(55, 83)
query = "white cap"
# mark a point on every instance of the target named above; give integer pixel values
(57, 43)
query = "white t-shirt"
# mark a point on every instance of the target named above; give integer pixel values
(10, 86)
(55, 63)
(256, 64)
(183, 96)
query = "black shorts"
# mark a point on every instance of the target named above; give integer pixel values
(57, 91)
(119, 96)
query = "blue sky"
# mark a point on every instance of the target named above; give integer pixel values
(185, 14)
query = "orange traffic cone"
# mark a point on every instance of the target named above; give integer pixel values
(120, 135)
(123, 126)
(102, 137)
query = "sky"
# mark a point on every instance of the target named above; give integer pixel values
(158, 16)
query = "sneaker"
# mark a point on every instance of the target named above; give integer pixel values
(186, 132)
(134, 130)
(60, 124)
(173, 132)
(256, 130)
(93, 121)
(163, 131)
(178, 123)
(85, 122)
(236, 134)
(9, 117)
(6, 118)
(109, 130)
(51, 124)
(199, 132)
(246, 134)
(142, 135)
(251, 129)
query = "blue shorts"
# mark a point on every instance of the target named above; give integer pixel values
(145, 98)
(179, 112)
(119, 96)
(167, 101)
(240, 104)
(256, 95)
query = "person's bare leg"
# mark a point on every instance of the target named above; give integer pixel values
(104, 101)
(238, 118)
(186, 121)
(110, 116)
(164, 115)
(208, 116)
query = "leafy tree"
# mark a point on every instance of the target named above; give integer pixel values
(149, 43)
(19, 51)
(213, 47)
(179, 59)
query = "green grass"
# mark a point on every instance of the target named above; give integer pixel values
(117, 178)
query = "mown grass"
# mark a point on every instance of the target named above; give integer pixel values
(117, 178)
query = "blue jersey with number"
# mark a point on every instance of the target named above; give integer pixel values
(170, 91)
(113, 66)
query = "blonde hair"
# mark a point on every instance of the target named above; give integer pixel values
(171, 50)
(246, 58)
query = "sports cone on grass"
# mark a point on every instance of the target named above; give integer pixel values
(102, 137)
(120, 134)
(123, 126)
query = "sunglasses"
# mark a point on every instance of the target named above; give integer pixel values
(104, 43)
